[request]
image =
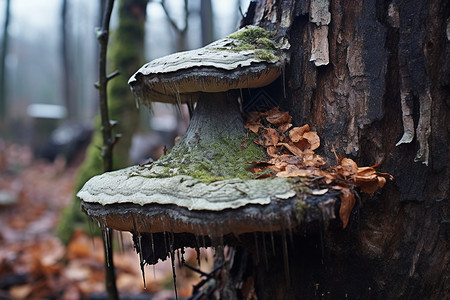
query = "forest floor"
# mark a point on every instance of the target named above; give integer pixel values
(34, 264)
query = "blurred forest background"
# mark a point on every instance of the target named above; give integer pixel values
(48, 104)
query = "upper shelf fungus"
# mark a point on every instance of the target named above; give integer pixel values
(208, 168)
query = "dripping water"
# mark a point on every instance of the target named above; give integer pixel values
(289, 226)
(105, 233)
(265, 251)
(141, 258)
(165, 242)
(172, 260)
(285, 256)
(153, 255)
(255, 234)
(197, 250)
(272, 240)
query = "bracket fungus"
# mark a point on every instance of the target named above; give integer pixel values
(203, 186)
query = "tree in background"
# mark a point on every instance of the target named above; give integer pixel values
(126, 56)
(3, 53)
(68, 81)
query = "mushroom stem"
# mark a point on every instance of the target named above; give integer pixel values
(216, 116)
(212, 147)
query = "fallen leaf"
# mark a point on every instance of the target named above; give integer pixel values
(303, 144)
(313, 139)
(294, 171)
(270, 136)
(296, 133)
(279, 118)
(347, 203)
(292, 148)
(272, 151)
(284, 127)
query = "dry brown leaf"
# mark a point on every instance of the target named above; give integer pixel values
(279, 118)
(313, 139)
(294, 171)
(272, 151)
(254, 127)
(284, 127)
(296, 133)
(347, 203)
(270, 136)
(292, 148)
(303, 144)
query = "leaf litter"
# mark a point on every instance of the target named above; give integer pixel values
(290, 153)
(34, 264)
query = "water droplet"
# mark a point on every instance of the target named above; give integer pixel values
(255, 234)
(265, 251)
(141, 259)
(285, 256)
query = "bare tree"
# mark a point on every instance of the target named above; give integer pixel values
(181, 31)
(206, 15)
(3, 54)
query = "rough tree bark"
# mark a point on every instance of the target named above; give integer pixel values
(373, 78)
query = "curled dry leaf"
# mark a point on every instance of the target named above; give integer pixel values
(296, 133)
(279, 118)
(313, 139)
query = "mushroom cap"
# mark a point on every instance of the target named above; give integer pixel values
(229, 63)
(141, 185)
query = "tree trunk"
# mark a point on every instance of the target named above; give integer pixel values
(207, 21)
(373, 78)
(3, 53)
(66, 64)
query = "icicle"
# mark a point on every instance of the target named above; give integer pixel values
(165, 242)
(105, 231)
(153, 247)
(285, 256)
(272, 240)
(172, 260)
(255, 234)
(141, 258)
(289, 226)
(197, 249)
(265, 251)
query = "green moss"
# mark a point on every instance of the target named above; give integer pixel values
(263, 54)
(257, 39)
(251, 34)
(265, 43)
(223, 159)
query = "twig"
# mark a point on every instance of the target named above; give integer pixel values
(108, 142)
(172, 22)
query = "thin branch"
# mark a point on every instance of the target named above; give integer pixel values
(172, 22)
(108, 142)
